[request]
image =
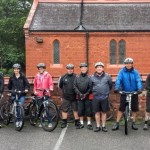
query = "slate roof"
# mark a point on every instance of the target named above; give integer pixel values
(96, 17)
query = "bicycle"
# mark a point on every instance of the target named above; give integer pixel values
(111, 112)
(127, 114)
(45, 109)
(12, 109)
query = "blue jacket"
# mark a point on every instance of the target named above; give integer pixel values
(129, 80)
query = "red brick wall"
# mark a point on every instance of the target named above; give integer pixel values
(73, 50)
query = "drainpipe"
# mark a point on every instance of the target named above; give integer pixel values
(80, 27)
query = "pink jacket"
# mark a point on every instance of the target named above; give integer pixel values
(43, 81)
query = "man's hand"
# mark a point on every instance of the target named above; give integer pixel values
(26, 91)
(139, 91)
(35, 92)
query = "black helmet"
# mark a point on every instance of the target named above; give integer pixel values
(83, 65)
(70, 66)
(17, 66)
(41, 65)
(99, 64)
(128, 61)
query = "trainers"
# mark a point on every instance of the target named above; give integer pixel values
(0, 126)
(20, 123)
(63, 125)
(145, 127)
(134, 126)
(80, 126)
(17, 124)
(104, 129)
(115, 127)
(50, 125)
(97, 129)
(89, 126)
(40, 126)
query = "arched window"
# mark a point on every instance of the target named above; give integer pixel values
(112, 52)
(56, 52)
(122, 51)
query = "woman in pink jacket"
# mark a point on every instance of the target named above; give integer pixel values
(42, 81)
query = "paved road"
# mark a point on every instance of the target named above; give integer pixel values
(34, 138)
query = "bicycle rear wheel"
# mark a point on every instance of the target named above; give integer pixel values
(110, 113)
(126, 114)
(33, 116)
(49, 117)
(5, 113)
(19, 118)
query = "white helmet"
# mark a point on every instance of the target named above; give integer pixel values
(99, 64)
(128, 61)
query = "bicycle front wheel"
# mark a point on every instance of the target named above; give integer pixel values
(5, 113)
(19, 118)
(49, 117)
(33, 115)
(126, 114)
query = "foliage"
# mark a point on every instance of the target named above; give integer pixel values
(13, 14)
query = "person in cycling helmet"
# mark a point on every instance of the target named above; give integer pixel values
(128, 80)
(42, 80)
(82, 87)
(1, 87)
(69, 96)
(18, 82)
(101, 87)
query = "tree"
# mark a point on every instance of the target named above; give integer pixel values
(13, 14)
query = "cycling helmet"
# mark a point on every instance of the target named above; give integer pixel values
(41, 65)
(83, 65)
(18, 66)
(99, 64)
(70, 66)
(128, 61)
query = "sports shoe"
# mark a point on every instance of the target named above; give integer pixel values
(145, 127)
(115, 127)
(64, 125)
(104, 129)
(89, 126)
(40, 126)
(134, 126)
(17, 124)
(50, 125)
(80, 126)
(97, 129)
(0, 126)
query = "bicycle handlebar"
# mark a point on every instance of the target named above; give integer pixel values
(124, 92)
(15, 91)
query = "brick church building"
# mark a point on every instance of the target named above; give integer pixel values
(58, 32)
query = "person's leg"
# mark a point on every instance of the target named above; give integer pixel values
(88, 111)
(97, 119)
(81, 111)
(135, 109)
(147, 117)
(74, 106)
(120, 112)
(22, 100)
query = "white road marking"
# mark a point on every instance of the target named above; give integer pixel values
(58, 144)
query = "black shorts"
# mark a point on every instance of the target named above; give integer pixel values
(134, 103)
(100, 105)
(85, 108)
(148, 102)
(67, 103)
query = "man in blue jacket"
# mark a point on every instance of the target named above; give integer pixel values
(130, 81)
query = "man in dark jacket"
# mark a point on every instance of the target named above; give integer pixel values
(147, 113)
(69, 97)
(1, 86)
(101, 86)
(82, 87)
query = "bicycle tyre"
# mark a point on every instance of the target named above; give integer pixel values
(110, 113)
(126, 120)
(21, 118)
(33, 116)
(5, 113)
(70, 117)
(54, 115)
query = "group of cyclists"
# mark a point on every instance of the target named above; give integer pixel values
(85, 94)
